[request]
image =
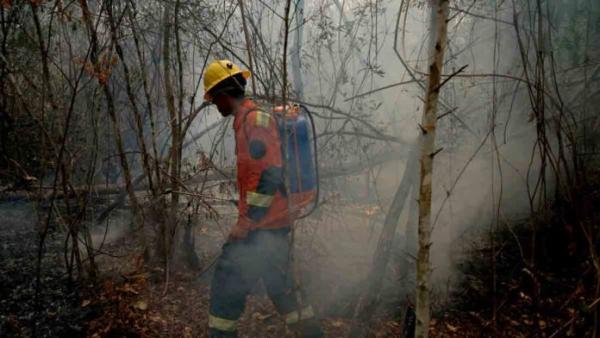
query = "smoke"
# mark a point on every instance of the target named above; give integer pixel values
(351, 64)
(481, 174)
(112, 230)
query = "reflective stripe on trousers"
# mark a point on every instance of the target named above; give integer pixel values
(222, 324)
(298, 316)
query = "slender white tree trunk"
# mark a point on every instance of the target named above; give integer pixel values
(439, 25)
(248, 46)
(296, 52)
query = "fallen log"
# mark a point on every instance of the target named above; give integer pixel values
(349, 169)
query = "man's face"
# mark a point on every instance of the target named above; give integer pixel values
(225, 104)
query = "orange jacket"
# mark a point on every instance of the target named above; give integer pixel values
(262, 202)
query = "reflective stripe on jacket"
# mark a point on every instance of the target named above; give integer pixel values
(262, 202)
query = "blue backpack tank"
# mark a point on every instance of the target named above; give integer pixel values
(301, 160)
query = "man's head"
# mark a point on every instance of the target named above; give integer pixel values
(228, 94)
(224, 85)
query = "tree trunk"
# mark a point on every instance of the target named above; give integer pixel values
(248, 46)
(439, 26)
(116, 126)
(296, 52)
(169, 225)
(368, 302)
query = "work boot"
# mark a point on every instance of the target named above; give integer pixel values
(308, 328)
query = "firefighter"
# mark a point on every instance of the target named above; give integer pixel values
(257, 247)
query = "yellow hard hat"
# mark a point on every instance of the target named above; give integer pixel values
(218, 71)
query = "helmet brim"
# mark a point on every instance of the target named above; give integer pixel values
(245, 73)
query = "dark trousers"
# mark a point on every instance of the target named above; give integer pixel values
(263, 254)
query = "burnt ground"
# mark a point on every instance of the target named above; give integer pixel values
(554, 298)
(138, 302)
(132, 299)
(542, 282)
(57, 312)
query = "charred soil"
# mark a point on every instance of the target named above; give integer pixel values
(535, 278)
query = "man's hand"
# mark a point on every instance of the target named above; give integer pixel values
(237, 233)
